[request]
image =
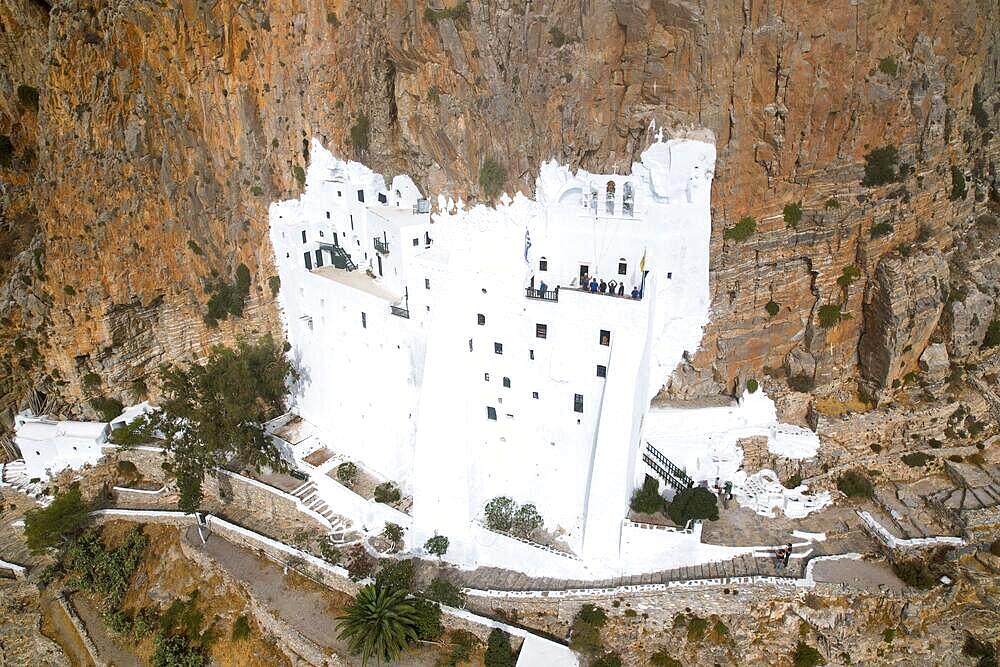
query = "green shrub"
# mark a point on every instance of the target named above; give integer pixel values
(829, 315)
(888, 65)
(139, 431)
(697, 628)
(28, 96)
(741, 231)
(492, 177)
(227, 299)
(180, 641)
(585, 633)
(558, 37)
(982, 650)
(526, 520)
(904, 249)
(90, 381)
(880, 166)
(772, 308)
(848, 275)
(359, 563)
(793, 481)
(443, 591)
(880, 229)
(752, 386)
(807, 656)
(608, 659)
(831, 203)
(256, 191)
(387, 493)
(958, 189)
(106, 408)
(347, 472)
(499, 513)
(979, 112)
(647, 499)
(914, 573)
(462, 643)
(61, 521)
(437, 545)
(792, 214)
(328, 551)
(101, 571)
(696, 503)
(459, 12)
(274, 284)
(300, 175)
(434, 95)
(916, 459)
(662, 658)
(360, 133)
(855, 484)
(992, 335)
(888, 635)
(498, 650)
(241, 628)
(6, 151)
(396, 575)
(195, 248)
(428, 619)
(393, 532)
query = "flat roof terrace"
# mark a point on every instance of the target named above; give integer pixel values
(358, 280)
(398, 216)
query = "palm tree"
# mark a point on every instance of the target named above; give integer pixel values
(379, 624)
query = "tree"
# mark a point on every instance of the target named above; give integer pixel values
(396, 575)
(807, 656)
(500, 513)
(387, 493)
(393, 532)
(741, 231)
(378, 624)
(792, 213)
(214, 413)
(498, 650)
(429, 625)
(492, 177)
(445, 592)
(61, 521)
(696, 503)
(855, 484)
(347, 472)
(648, 500)
(437, 545)
(526, 521)
(359, 563)
(136, 432)
(585, 634)
(880, 166)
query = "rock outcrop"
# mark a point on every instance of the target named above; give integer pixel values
(164, 129)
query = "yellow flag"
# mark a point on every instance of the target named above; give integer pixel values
(642, 262)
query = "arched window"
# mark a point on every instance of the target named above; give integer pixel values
(543, 264)
(628, 199)
(622, 267)
(609, 198)
(593, 199)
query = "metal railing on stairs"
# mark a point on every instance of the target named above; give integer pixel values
(341, 259)
(668, 471)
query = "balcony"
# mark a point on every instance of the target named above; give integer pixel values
(399, 311)
(543, 295)
(381, 247)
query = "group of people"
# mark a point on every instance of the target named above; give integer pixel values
(594, 286)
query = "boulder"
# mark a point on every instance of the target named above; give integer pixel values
(934, 362)
(969, 318)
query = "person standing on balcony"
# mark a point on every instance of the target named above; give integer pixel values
(542, 287)
(621, 288)
(593, 285)
(604, 287)
(635, 292)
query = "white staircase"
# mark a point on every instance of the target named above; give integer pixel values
(14, 474)
(341, 528)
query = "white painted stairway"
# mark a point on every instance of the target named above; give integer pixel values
(341, 529)
(14, 474)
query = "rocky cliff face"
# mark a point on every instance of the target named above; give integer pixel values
(164, 129)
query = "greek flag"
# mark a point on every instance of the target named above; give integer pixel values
(527, 244)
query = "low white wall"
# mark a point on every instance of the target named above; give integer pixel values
(893, 542)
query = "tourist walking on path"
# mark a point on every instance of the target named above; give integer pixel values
(593, 285)
(621, 288)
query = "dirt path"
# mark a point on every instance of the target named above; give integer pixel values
(858, 574)
(107, 648)
(57, 626)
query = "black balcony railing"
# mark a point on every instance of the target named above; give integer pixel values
(399, 311)
(544, 295)
(381, 246)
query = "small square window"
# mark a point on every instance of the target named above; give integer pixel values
(498, 348)
(327, 215)
(534, 394)
(491, 413)
(622, 268)
(427, 283)
(578, 403)
(531, 354)
(605, 337)
(541, 330)
(321, 233)
(416, 241)
(602, 371)
(670, 274)
(470, 345)
(486, 376)
(480, 319)
(361, 196)
(543, 264)
(506, 383)
(303, 236)
(364, 321)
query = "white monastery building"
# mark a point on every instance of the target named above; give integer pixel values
(470, 354)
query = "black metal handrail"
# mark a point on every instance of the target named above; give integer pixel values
(665, 468)
(399, 311)
(544, 295)
(381, 246)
